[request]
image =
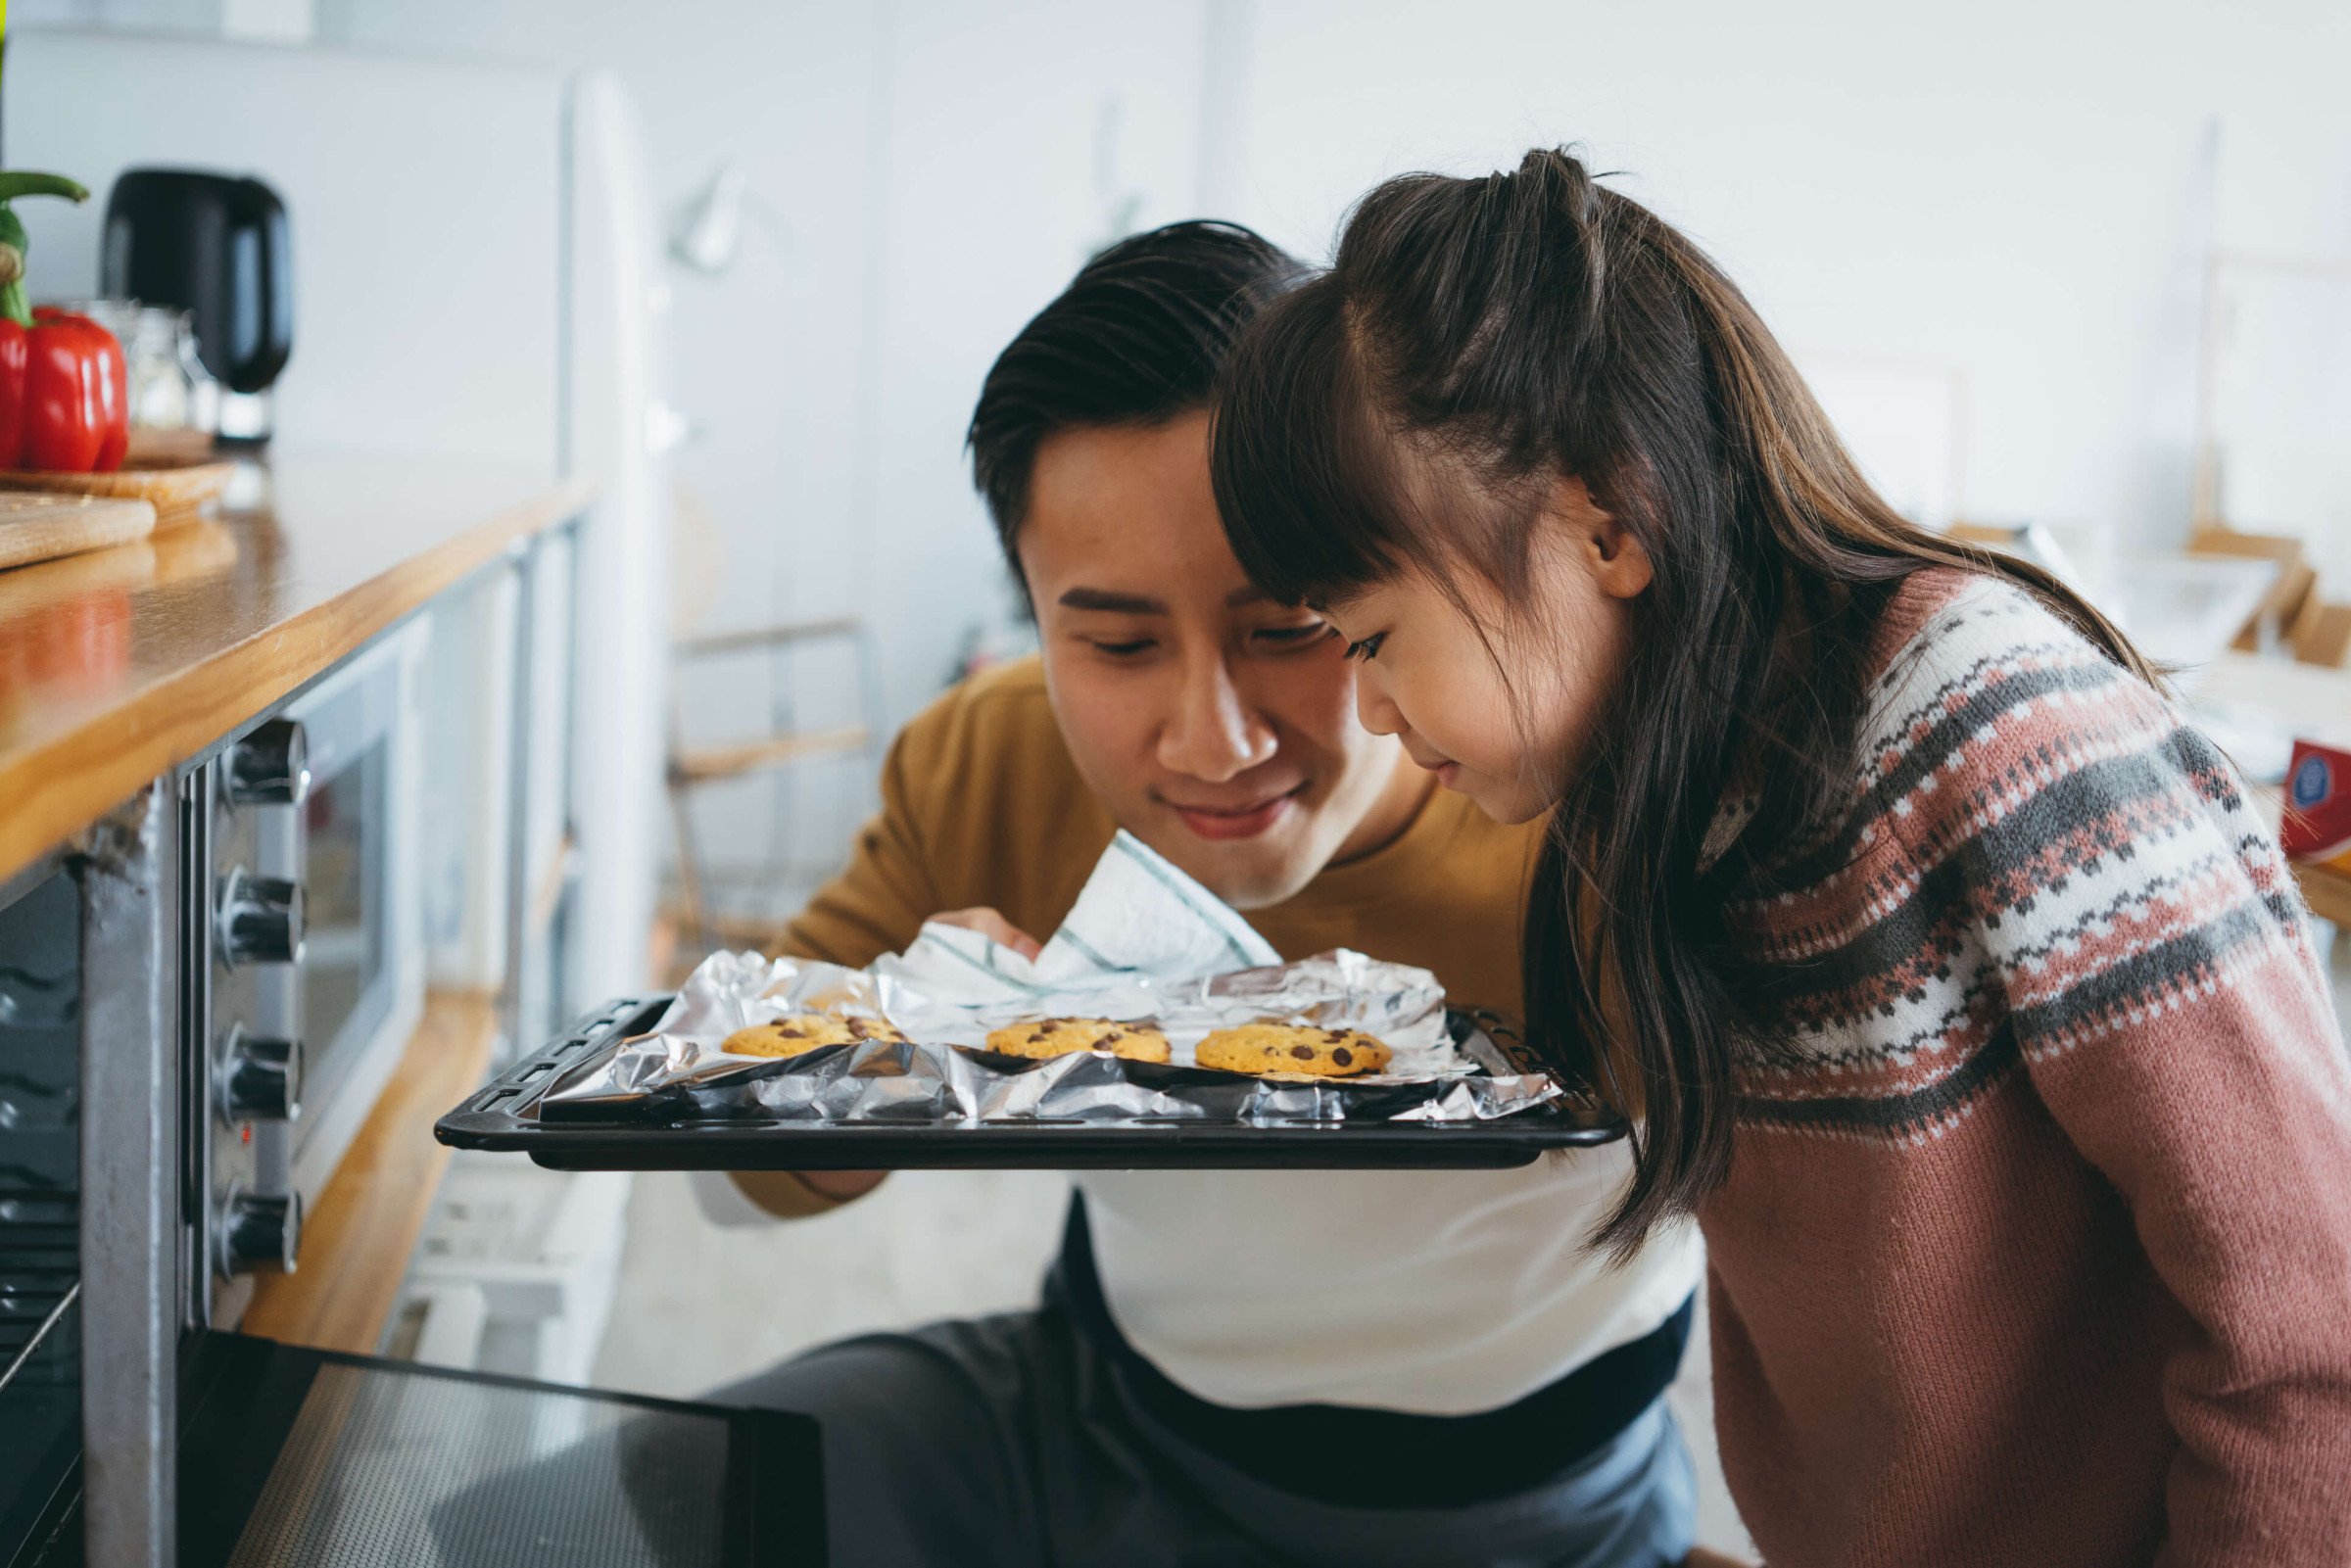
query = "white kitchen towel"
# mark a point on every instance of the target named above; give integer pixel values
(1138, 923)
(1145, 941)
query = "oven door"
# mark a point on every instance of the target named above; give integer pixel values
(40, 1209)
(303, 1459)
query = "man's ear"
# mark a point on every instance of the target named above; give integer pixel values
(1618, 562)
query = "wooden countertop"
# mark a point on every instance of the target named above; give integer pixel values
(120, 664)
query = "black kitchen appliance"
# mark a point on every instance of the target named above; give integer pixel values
(218, 247)
(136, 1425)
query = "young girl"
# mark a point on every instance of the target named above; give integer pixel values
(1955, 982)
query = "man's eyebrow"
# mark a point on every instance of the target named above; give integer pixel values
(1244, 598)
(1102, 599)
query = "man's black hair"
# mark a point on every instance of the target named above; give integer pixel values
(1137, 337)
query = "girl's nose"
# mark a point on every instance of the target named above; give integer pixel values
(1214, 734)
(1374, 709)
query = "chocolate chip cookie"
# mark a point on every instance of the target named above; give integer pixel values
(1048, 1037)
(1293, 1048)
(806, 1031)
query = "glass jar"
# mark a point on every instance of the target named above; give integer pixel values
(169, 387)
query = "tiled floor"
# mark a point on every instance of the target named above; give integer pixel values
(701, 1305)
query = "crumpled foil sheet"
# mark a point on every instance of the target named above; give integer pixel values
(678, 1072)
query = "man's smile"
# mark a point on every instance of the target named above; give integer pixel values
(1244, 819)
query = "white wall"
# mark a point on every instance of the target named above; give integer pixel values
(1981, 227)
(2017, 192)
(477, 265)
(929, 175)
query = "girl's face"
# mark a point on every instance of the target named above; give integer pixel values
(1427, 671)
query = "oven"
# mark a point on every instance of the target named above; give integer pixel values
(195, 1000)
(304, 961)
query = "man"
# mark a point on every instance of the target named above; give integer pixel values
(1228, 1367)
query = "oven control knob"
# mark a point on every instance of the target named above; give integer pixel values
(261, 920)
(270, 767)
(261, 1078)
(258, 1233)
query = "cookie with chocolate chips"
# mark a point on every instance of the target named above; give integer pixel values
(1293, 1048)
(1049, 1037)
(806, 1031)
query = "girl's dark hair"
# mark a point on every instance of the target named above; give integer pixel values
(1137, 337)
(1530, 326)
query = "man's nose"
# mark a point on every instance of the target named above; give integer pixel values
(1215, 733)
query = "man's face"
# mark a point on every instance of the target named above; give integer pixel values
(1217, 725)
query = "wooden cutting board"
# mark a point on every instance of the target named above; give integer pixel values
(41, 528)
(176, 486)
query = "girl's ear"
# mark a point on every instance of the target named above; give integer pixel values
(1618, 562)
(1625, 568)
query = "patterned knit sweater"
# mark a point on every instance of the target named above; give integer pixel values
(2040, 1252)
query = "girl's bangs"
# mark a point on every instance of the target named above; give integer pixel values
(1308, 494)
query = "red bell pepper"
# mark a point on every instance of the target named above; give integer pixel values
(65, 392)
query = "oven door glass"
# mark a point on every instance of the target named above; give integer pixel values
(294, 1457)
(345, 909)
(40, 1353)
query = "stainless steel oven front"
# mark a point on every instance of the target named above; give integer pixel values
(304, 961)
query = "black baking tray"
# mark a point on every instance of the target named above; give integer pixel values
(503, 1115)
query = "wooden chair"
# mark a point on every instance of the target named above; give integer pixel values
(693, 766)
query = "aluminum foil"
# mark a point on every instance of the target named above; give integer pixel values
(1443, 1070)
